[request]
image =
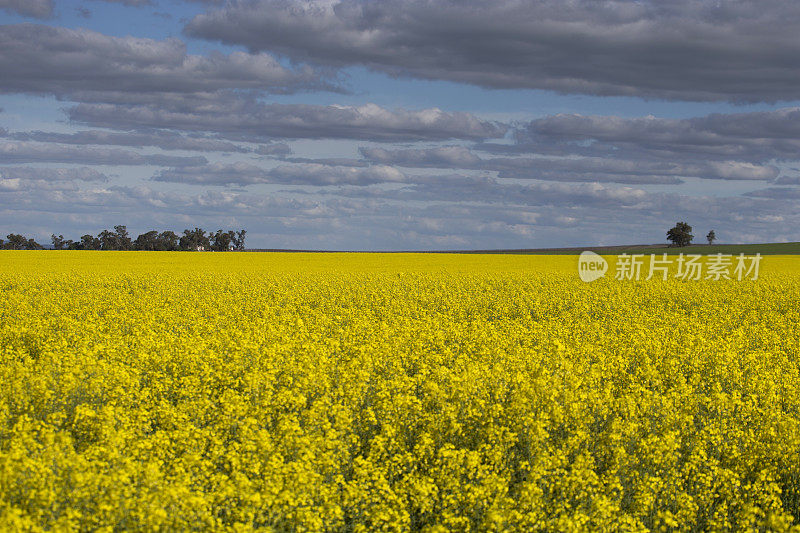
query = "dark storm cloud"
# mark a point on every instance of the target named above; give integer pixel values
(32, 152)
(163, 140)
(83, 64)
(301, 174)
(703, 50)
(243, 118)
(40, 9)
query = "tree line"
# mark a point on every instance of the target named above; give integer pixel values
(196, 239)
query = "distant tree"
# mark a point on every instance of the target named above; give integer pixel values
(167, 241)
(90, 242)
(58, 242)
(15, 242)
(155, 241)
(123, 239)
(146, 241)
(195, 239)
(711, 237)
(238, 241)
(19, 242)
(115, 240)
(681, 234)
(69, 244)
(108, 240)
(222, 241)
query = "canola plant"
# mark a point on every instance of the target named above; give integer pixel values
(358, 392)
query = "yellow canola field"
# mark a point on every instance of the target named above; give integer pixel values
(158, 391)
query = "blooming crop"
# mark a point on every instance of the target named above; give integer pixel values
(358, 392)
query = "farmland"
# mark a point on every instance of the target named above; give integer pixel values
(359, 392)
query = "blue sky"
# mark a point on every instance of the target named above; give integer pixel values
(409, 125)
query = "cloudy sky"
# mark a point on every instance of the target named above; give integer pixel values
(387, 125)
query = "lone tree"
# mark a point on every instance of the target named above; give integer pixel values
(711, 237)
(681, 234)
